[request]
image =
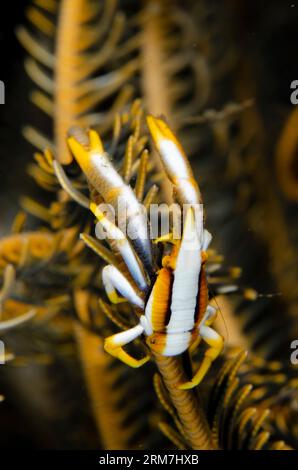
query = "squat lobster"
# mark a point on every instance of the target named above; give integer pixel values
(176, 315)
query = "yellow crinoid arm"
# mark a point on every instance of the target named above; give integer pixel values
(166, 238)
(96, 211)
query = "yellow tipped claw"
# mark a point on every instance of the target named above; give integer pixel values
(159, 131)
(82, 152)
(77, 149)
(199, 376)
(95, 142)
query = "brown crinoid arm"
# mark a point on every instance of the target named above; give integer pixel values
(154, 80)
(95, 362)
(189, 410)
(66, 107)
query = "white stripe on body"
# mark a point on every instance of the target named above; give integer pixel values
(186, 278)
(184, 299)
(177, 343)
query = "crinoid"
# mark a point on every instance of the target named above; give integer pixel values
(106, 287)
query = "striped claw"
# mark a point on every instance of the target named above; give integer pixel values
(174, 161)
(88, 150)
(83, 145)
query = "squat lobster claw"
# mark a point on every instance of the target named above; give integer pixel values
(175, 162)
(89, 153)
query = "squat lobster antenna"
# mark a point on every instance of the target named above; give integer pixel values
(174, 161)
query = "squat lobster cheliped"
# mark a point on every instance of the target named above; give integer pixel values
(172, 305)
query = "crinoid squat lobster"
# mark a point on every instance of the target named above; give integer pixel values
(171, 300)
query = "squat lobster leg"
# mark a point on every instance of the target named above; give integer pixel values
(114, 281)
(209, 317)
(114, 346)
(215, 341)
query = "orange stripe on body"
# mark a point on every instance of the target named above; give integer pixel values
(161, 300)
